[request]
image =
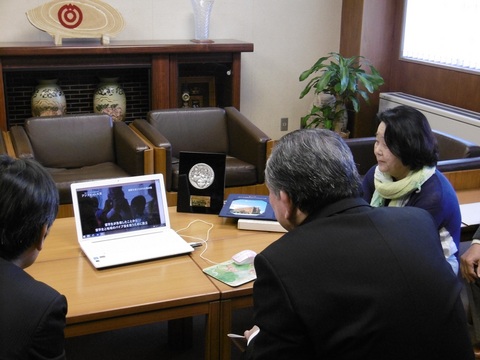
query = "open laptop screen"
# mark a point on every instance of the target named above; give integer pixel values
(118, 208)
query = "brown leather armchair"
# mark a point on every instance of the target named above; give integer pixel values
(82, 147)
(206, 130)
(454, 153)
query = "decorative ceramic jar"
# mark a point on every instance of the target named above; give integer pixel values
(109, 98)
(201, 15)
(48, 99)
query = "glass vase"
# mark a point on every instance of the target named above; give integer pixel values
(201, 15)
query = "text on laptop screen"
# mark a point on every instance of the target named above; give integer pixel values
(113, 209)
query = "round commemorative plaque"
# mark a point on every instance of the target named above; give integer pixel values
(201, 176)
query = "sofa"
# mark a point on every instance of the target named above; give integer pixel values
(210, 129)
(82, 147)
(454, 153)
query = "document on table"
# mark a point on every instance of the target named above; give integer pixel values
(470, 214)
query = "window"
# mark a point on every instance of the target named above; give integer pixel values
(442, 32)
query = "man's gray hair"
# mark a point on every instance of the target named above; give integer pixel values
(314, 167)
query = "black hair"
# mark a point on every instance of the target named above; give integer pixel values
(409, 137)
(28, 201)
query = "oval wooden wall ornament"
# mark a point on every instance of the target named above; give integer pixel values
(77, 19)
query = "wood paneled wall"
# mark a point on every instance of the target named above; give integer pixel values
(373, 28)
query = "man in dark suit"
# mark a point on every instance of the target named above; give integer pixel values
(349, 281)
(32, 314)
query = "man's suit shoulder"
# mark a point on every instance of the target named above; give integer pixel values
(20, 282)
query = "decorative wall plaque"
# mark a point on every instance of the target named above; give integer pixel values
(201, 182)
(77, 19)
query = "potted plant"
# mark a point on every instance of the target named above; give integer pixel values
(337, 87)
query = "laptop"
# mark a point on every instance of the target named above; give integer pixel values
(124, 220)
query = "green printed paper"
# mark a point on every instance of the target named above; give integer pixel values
(231, 273)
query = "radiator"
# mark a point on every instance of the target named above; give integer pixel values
(449, 119)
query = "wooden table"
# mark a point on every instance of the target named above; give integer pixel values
(130, 295)
(159, 290)
(152, 291)
(469, 196)
(225, 241)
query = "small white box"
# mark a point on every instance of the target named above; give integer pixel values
(260, 225)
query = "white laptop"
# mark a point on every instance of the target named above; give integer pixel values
(124, 220)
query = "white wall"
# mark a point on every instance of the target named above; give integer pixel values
(288, 37)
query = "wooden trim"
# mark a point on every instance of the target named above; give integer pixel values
(148, 161)
(159, 154)
(160, 86)
(3, 104)
(12, 49)
(464, 179)
(227, 307)
(236, 76)
(8, 143)
(149, 155)
(65, 211)
(270, 146)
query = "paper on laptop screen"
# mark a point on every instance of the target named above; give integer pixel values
(119, 207)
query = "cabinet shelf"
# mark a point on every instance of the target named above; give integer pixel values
(152, 69)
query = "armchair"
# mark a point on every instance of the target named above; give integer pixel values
(3, 146)
(81, 147)
(454, 153)
(206, 130)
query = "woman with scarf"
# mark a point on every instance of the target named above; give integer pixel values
(406, 174)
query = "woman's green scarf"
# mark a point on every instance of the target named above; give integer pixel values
(399, 191)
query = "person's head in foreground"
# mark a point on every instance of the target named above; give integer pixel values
(32, 314)
(28, 207)
(310, 168)
(348, 280)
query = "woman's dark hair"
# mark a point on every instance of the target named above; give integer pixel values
(409, 137)
(28, 201)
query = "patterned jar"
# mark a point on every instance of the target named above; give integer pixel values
(48, 99)
(109, 98)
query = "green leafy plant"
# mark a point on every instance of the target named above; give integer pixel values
(342, 78)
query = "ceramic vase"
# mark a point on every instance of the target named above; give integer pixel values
(201, 15)
(48, 99)
(109, 98)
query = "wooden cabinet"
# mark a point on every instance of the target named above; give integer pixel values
(153, 74)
